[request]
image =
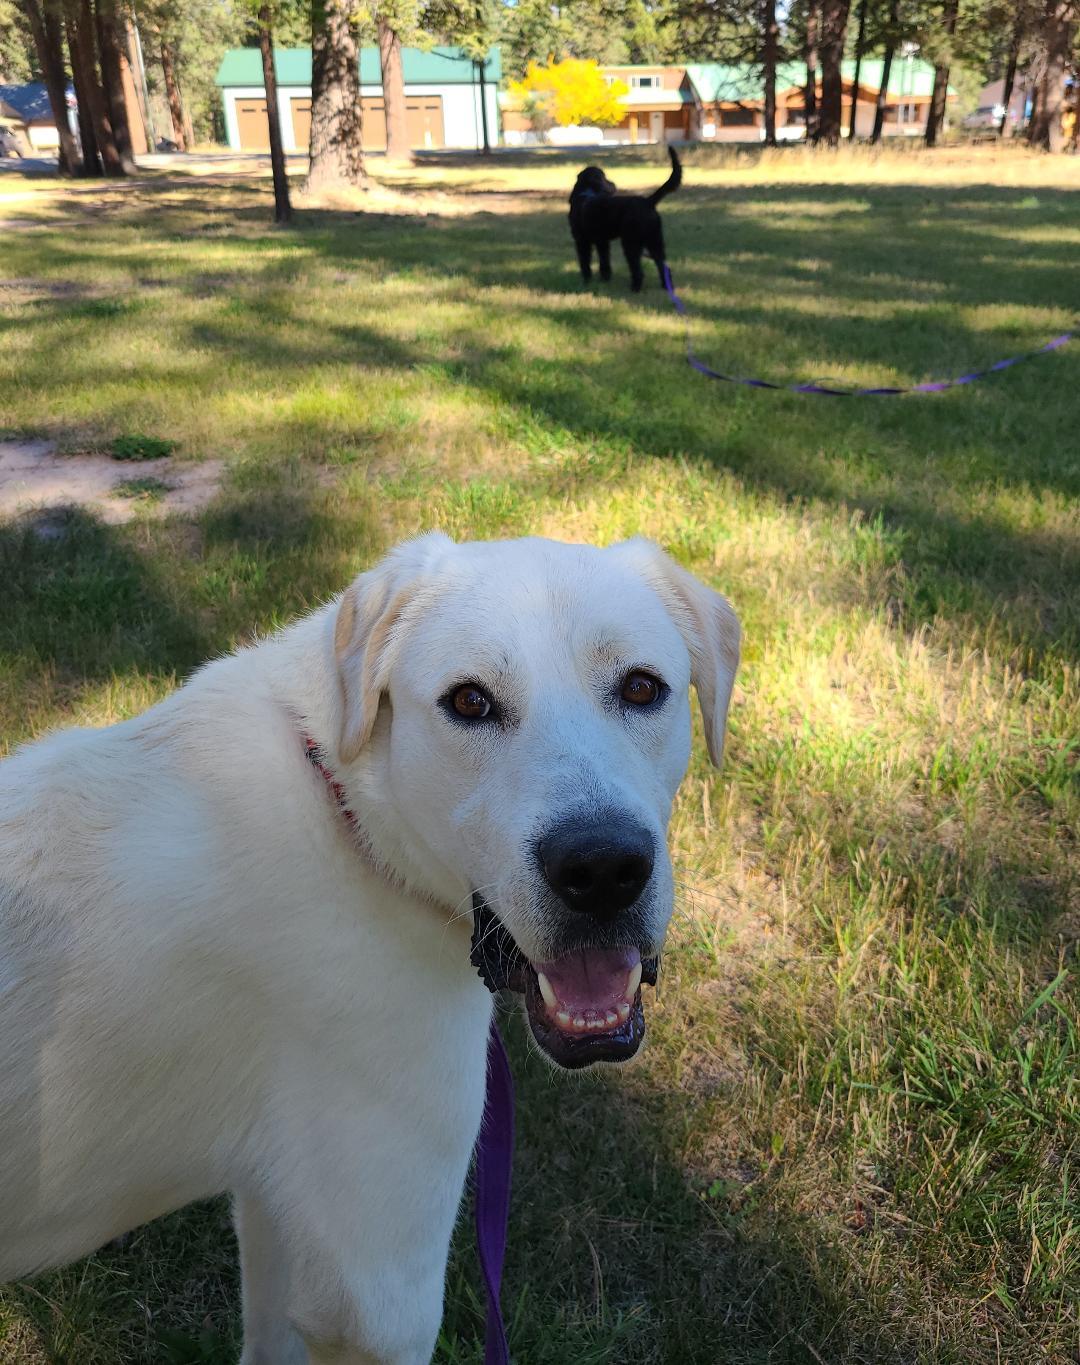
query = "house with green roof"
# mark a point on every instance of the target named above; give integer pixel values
(719, 102)
(729, 101)
(447, 96)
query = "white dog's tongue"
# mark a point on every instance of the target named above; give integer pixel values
(592, 981)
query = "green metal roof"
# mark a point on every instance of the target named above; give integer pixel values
(713, 81)
(292, 66)
(905, 78)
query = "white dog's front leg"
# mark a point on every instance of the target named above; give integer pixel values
(360, 1184)
(269, 1337)
(302, 1307)
(390, 1317)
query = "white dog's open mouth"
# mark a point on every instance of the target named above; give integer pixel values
(582, 1008)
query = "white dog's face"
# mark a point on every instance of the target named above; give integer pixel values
(536, 731)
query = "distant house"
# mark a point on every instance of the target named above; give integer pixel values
(27, 107)
(442, 98)
(659, 104)
(714, 102)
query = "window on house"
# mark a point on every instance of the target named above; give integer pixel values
(644, 82)
(738, 118)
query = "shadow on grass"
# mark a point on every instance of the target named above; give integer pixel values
(81, 603)
(86, 603)
(842, 274)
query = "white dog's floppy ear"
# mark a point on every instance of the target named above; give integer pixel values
(363, 632)
(709, 627)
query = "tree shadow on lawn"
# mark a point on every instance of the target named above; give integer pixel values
(83, 605)
(903, 459)
(621, 378)
(619, 1253)
(86, 603)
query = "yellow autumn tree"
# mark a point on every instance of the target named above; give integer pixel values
(569, 92)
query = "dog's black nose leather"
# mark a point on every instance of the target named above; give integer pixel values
(597, 868)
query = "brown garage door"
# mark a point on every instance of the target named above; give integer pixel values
(423, 119)
(374, 123)
(252, 126)
(300, 108)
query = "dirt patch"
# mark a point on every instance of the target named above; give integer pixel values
(33, 476)
(387, 202)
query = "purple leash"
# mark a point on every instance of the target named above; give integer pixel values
(935, 386)
(494, 1158)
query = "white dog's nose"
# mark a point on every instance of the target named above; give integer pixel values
(598, 868)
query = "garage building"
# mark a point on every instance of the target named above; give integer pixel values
(442, 98)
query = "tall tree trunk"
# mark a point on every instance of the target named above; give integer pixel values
(1010, 70)
(935, 116)
(886, 73)
(87, 84)
(770, 44)
(48, 43)
(134, 51)
(172, 90)
(480, 64)
(112, 81)
(282, 206)
(393, 89)
(882, 97)
(834, 17)
(91, 157)
(336, 146)
(810, 112)
(1045, 129)
(858, 70)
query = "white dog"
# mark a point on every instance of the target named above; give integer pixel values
(224, 967)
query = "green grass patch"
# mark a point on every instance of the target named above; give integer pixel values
(141, 490)
(140, 447)
(853, 1137)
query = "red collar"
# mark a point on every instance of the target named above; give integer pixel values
(315, 755)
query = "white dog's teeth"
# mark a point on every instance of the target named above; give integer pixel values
(611, 1017)
(547, 991)
(579, 1021)
(634, 980)
(623, 1010)
(563, 1019)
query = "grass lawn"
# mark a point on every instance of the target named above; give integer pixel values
(854, 1134)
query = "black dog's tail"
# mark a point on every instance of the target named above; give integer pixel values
(672, 183)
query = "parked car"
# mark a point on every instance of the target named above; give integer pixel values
(12, 139)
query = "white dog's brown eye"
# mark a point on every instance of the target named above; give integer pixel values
(641, 689)
(471, 701)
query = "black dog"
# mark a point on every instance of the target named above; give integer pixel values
(598, 215)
